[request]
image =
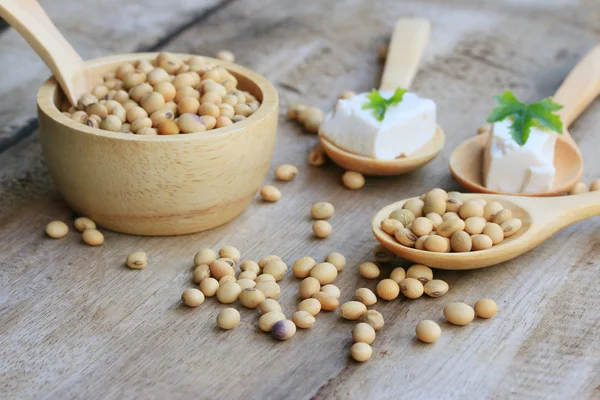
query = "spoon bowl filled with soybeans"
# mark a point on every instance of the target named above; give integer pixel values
(466, 231)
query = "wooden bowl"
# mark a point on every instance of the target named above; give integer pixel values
(159, 185)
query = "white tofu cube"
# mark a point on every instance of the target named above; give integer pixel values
(404, 130)
(511, 168)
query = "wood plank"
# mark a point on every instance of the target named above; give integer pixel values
(74, 322)
(95, 29)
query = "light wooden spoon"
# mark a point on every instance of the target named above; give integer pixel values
(34, 25)
(541, 217)
(408, 41)
(579, 89)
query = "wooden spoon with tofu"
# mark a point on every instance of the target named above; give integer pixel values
(407, 136)
(468, 161)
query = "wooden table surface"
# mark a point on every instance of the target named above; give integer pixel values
(75, 323)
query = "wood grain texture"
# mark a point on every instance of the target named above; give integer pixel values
(76, 323)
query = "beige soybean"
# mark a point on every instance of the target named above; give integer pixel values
(353, 180)
(428, 331)
(227, 279)
(269, 305)
(365, 296)
(324, 272)
(251, 297)
(491, 209)
(361, 352)
(303, 319)
(390, 226)
(398, 274)
(388, 289)
(449, 215)
(411, 288)
(420, 243)
(308, 287)
(228, 318)
(220, 268)
(595, 185)
(405, 237)
(474, 225)
(83, 223)
(270, 289)
(270, 193)
(436, 219)
(332, 290)
(250, 266)
(322, 229)
(265, 260)
(266, 321)
(265, 278)
(453, 205)
(470, 208)
(312, 306)
(511, 227)
(248, 275)
(435, 288)
(374, 318)
(579, 188)
(229, 292)
(485, 308)
(230, 252)
(302, 266)
(436, 243)
(244, 283)
(420, 272)
(57, 229)
(406, 217)
(276, 268)
(92, 237)
(459, 313)
(494, 232)
(353, 310)
(328, 302)
(461, 242)
(192, 297)
(449, 226)
(137, 260)
(286, 172)
(502, 216)
(481, 242)
(337, 259)
(415, 206)
(434, 203)
(209, 286)
(369, 270)
(363, 333)
(382, 254)
(205, 256)
(322, 210)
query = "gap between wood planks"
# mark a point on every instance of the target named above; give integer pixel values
(32, 124)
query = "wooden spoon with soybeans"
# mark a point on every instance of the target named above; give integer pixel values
(408, 41)
(540, 217)
(33, 24)
(576, 93)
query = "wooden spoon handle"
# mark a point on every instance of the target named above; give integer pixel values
(580, 88)
(408, 41)
(555, 213)
(34, 25)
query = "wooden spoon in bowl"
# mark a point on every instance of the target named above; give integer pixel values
(408, 41)
(541, 218)
(579, 89)
(34, 25)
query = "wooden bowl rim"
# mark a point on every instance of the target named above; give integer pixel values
(45, 101)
